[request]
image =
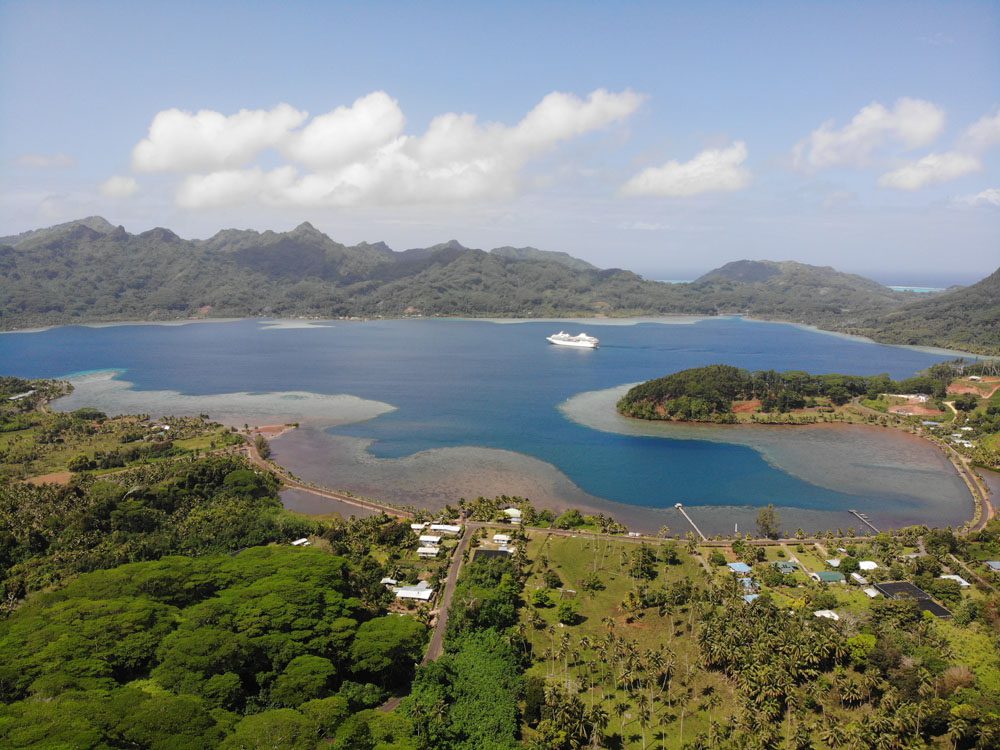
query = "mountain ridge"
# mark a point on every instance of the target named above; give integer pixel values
(91, 270)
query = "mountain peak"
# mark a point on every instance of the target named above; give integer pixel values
(308, 229)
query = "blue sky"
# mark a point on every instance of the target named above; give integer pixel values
(865, 136)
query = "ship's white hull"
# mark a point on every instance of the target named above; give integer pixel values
(574, 344)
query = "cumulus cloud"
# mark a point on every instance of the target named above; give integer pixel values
(711, 170)
(930, 170)
(347, 133)
(46, 161)
(983, 133)
(119, 187)
(910, 123)
(360, 154)
(989, 197)
(181, 141)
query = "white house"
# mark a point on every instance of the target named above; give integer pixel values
(859, 579)
(303, 542)
(428, 551)
(446, 528)
(418, 527)
(871, 592)
(829, 614)
(868, 565)
(513, 514)
(501, 539)
(390, 582)
(834, 563)
(426, 539)
(421, 592)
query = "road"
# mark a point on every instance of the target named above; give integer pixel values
(436, 646)
(251, 452)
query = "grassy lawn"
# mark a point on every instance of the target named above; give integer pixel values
(972, 646)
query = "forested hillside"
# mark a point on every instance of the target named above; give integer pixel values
(89, 270)
(967, 319)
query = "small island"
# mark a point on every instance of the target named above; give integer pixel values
(726, 394)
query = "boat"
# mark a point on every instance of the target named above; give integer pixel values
(580, 341)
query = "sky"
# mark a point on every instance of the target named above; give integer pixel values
(667, 138)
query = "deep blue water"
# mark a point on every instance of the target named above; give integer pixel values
(459, 383)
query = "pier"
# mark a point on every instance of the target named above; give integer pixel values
(690, 521)
(864, 519)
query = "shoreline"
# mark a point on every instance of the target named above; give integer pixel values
(983, 508)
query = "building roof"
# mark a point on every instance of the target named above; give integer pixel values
(834, 563)
(829, 576)
(747, 582)
(428, 551)
(862, 581)
(418, 526)
(895, 589)
(421, 591)
(957, 579)
(786, 567)
(868, 565)
(512, 512)
(485, 552)
(871, 593)
(748, 598)
(430, 539)
(303, 542)
(829, 614)
(993, 564)
(739, 567)
(501, 538)
(446, 528)
(905, 589)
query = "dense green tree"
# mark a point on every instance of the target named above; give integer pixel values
(387, 648)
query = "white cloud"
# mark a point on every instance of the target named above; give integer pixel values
(989, 197)
(181, 141)
(930, 170)
(119, 187)
(711, 170)
(983, 133)
(910, 123)
(359, 154)
(46, 161)
(347, 133)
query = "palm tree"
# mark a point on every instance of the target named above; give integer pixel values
(598, 719)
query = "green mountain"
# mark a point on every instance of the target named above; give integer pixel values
(966, 318)
(90, 270)
(797, 292)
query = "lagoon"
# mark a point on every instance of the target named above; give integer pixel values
(427, 411)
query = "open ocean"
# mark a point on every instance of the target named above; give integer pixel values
(426, 411)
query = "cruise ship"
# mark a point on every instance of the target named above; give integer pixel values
(580, 341)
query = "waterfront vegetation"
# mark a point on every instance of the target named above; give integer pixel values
(955, 403)
(38, 442)
(160, 604)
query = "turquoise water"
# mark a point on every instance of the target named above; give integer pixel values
(917, 289)
(492, 387)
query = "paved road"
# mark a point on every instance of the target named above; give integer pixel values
(436, 646)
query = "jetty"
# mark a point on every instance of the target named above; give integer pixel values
(690, 521)
(864, 519)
